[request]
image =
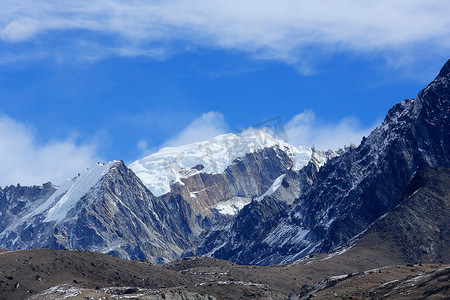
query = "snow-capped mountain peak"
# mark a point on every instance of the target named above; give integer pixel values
(167, 166)
(56, 207)
(74, 189)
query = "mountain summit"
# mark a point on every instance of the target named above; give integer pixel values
(105, 209)
(169, 165)
(445, 71)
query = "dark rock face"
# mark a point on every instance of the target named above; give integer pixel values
(126, 220)
(360, 186)
(15, 199)
(353, 190)
(232, 240)
(418, 229)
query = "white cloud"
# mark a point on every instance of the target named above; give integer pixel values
(284, 30)
(19, 30)
(205, 127)
(26, 162)
(306, 129)
(145, 149)
(142, 145)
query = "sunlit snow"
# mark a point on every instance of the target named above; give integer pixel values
(275, 185)
(233, 206)
(167, 166)
(78, 187)
(71, 191)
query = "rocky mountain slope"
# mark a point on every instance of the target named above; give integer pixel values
(374, 265)
(230, 237)
(414, 233)
(105, 209)
(350, 191)
(418, 229)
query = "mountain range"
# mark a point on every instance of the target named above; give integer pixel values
(253, 199)
(109, 209)
(388, 261)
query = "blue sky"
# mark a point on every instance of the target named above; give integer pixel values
(101, 80)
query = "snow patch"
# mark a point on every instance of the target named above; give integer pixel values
(233, 206)
(289, 234)
(63, 291)
(389, 282)
(338, 277)
(275, 185)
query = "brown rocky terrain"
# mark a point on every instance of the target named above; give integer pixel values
(393, 282)
(67, 274)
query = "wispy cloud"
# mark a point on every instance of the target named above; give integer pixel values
(202, 128)
(294, 31)
(26, 162)
(306, 129)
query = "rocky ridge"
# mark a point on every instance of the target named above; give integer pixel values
(350, 191)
